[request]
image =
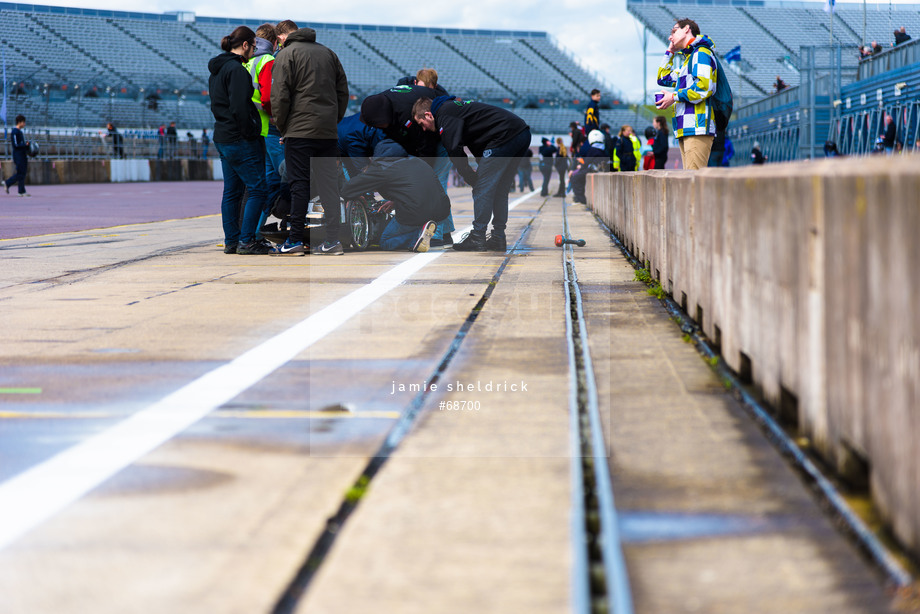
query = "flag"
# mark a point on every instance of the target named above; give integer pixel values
(829, 6)
(733, 55)
(3, 106)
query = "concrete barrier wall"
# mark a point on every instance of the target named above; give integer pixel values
(52, 172)
(807, 276)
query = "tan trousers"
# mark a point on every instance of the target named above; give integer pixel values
(694, 151)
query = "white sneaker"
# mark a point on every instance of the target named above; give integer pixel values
(424, 239)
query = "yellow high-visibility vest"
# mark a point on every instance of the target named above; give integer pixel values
(255, 66)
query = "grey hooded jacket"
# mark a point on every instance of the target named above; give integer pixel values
(309, 89)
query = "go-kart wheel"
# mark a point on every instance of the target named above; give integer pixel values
(358, 225)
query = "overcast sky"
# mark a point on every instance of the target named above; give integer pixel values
(603, 36)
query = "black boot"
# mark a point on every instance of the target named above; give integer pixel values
(474, 242)
(496, 243)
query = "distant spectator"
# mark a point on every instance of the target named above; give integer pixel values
(729, 152)
(648, 150)
(626, 156)
(593, 112)
(172, 140)
(577, 132)
(830, 150)
(525, 170)
(591, 159)
(283, 29)
(876, 48)
(779, 85)
(609, 141)
(890, 134)
(901, 36)
(161, 142)
(562, 165)
(547, 151)
(192, 144)
(757, 156)
(660, 146)
(118, 148)
(20, 157)
(205, 141)
(864, 52)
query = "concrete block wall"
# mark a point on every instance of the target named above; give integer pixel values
(54, 172)
(807, 276)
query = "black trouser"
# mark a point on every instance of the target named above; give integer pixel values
(22, 169)
(319, 154)
(547, 169)
(562, 165)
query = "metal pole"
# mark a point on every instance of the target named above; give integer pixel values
(864, 24)
(644, 65)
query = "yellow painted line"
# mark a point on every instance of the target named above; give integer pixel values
(247, 414)
(23, 415)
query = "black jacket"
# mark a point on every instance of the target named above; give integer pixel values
(394, 107)
(408, 182)
(592, 117)
(626, 154)
(891, 132)
(20, 146)
(230, 88)
(476, 125)
(660, 149)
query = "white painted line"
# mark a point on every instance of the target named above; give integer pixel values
(32, 497)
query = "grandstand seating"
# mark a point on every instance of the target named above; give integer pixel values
(56, 55)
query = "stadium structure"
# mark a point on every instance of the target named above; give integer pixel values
(834, 95)
(73, 67)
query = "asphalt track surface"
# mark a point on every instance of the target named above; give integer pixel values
(85, 206)
(116, 298)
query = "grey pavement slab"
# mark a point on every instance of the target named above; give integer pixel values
(472, 514)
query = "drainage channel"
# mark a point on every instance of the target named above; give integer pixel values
(849, 522)
(297, 588)
(600, 579)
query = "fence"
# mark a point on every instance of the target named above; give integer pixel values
(77, 145)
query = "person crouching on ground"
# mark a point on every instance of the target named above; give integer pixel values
(591, 157)
(413, 186)
(498, 139)
(239, 142)
(695, 81)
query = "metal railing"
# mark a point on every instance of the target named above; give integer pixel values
(79, 145)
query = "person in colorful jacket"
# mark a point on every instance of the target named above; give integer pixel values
(689, 66)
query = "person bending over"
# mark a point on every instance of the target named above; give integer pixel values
(498, 139)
